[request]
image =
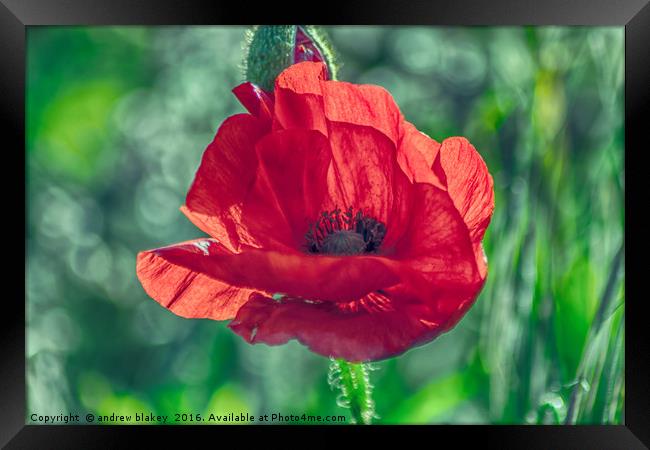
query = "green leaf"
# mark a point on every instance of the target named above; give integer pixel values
(436, 399)
(576, 302)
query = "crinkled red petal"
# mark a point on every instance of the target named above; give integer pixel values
(257, 101)
(223, 180)
(184, 291)
(326, 278)
(371, 330)
(290, 187)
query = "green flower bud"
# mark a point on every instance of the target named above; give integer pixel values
(273, 48)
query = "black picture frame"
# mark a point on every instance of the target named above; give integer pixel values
(16, 15)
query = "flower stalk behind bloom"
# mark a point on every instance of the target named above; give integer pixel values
(273, 48)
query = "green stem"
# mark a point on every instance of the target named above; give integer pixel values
(353, 380)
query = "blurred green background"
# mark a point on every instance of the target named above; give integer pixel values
(117, 120)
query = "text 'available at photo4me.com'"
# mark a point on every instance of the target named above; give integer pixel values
(182, 418)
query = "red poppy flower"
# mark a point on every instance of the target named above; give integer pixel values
(370, 230)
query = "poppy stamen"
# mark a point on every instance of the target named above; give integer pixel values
(344, 233)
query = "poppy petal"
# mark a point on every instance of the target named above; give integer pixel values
(289, 188)
(185, 292)
(437, 243)
(470, 187)
(469, 184)
(364, 175)
(363, 105)
(304, 98)
(416, 155)
(298, 97)
(375, 330)
(223, 179)
(258, 102)
(325, 278)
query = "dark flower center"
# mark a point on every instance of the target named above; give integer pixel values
(345, 233)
